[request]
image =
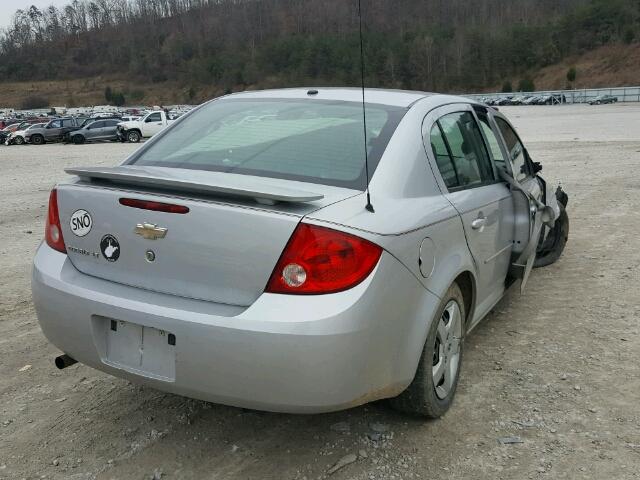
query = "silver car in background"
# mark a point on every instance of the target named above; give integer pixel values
(98, 130)
(235, 257)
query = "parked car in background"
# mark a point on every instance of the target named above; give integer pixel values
(97, 130)
(603, 99)
(18, 137)
(12, 127)
(145, 127)
(503, 101)
(239, 259)
(4, 133)
(53, 131)
(544, 100)
(87, 120)
(532, 100)
(8, 130)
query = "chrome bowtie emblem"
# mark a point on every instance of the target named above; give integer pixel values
(150, 231)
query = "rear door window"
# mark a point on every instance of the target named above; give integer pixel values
(445, 164)
(465, 146)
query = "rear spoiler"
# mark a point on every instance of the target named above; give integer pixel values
(263, 190)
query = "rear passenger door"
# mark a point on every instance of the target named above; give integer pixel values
(465, 170)
(94, 130)
(68, 124)
(53, 130)
(110, 130)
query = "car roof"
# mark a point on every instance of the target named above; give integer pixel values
(398, 98)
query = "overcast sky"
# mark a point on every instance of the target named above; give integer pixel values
(9, 7)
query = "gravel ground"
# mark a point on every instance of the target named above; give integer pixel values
(557, 367)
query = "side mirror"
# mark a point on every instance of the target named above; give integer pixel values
(537, 166)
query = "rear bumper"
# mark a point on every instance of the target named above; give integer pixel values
(297, 354)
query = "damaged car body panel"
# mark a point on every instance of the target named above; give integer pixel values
(233, 259)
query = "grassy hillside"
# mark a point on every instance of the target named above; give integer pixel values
(189, 50)
(607, 66)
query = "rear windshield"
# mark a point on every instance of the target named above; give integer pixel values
(308, 140)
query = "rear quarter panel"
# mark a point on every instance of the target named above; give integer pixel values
(409, 207)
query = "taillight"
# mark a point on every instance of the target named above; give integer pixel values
(53, 230)
(320, 260)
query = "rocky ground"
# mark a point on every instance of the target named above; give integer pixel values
(550, 386)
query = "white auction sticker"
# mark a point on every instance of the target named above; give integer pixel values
(80, 223)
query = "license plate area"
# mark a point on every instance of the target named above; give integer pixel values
(145, 351)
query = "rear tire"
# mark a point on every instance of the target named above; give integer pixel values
(430, 395)
(133, 136)
(37, 140)
(550, 250)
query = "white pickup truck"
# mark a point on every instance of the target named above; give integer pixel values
(145, 127)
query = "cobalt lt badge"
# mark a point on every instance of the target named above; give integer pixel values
(110, 248)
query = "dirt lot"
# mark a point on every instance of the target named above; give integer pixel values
(557, 367)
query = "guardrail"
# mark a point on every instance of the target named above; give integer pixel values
(585, 95)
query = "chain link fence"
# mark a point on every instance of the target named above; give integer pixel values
(622, 94)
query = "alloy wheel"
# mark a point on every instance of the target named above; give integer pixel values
(446, 352)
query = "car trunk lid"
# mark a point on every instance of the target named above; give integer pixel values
(223, 250)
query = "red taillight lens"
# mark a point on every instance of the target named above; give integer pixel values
(53, 230)
(155, 206)
(320, 260)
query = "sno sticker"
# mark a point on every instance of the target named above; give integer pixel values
(110, 248)
(80, 223)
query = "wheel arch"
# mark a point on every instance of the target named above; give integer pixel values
(467, 283)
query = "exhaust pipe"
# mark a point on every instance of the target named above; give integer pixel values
(64, 361)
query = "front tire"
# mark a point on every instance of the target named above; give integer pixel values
(78, 139)
(133, 136)
(433, 388)
(18, 141)
(37, 140)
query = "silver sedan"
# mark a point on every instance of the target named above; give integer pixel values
(277, 250)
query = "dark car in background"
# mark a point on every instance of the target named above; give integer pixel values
(601, 99)
(53, 131)
(96, 130)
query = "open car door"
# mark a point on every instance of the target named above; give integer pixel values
(534, 206)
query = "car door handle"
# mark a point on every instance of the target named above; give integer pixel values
(479, 223)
